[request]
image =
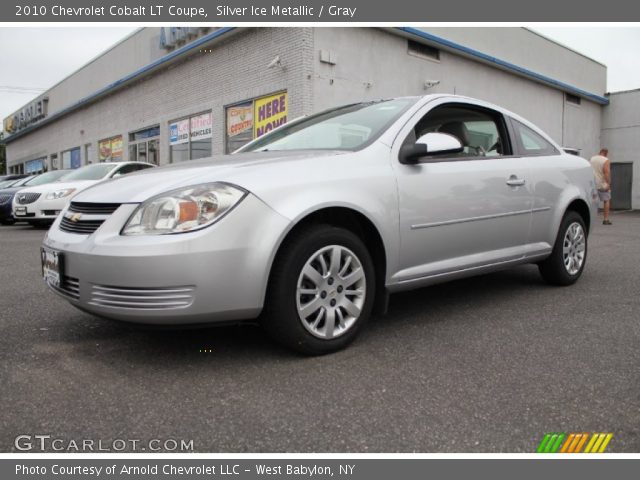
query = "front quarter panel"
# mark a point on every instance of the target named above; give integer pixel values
(362, 181)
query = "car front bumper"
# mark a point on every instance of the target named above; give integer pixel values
(42, 210)
(5, 211)
(215, 274)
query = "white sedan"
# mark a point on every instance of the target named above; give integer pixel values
(43, 203)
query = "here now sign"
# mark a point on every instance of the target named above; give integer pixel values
(269, 113)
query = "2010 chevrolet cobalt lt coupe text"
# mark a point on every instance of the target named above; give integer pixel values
(310, 227)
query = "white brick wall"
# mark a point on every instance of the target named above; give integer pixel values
(234, 70)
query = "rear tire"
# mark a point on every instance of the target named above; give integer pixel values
(569, 256)
(321, 290)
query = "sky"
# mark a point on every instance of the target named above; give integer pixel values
(37, 58)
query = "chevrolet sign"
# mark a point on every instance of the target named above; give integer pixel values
(29, 115)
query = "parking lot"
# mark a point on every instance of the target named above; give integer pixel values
(488, 364)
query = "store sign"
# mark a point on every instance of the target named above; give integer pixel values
(110, 149)
(239, 119)
(29, 115)
(116, 148)
(201, 126)
(179, 132)
(269, 113)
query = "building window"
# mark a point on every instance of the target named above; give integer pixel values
(110, 149)
(144, 145)
(190, 138)
(423, 51)
(239, 126)
(38, 165)
(71, 158)
(572, 99)
(253, 118)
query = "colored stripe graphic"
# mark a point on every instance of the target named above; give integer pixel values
(573, 442)
(606, 441)
(570, 439)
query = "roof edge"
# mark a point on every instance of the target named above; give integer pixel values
(503, 64)
(122, 82)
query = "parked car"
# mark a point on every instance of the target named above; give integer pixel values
(310, 227)
(42, 204)
(7, 194)
(13, 176)
(9, 180)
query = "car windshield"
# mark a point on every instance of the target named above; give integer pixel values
(90, 172)
(22, 181)
(345, 128)
(46, 177)
(7, 183)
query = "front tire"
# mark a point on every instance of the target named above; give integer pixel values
(321, 290)
(569, 256)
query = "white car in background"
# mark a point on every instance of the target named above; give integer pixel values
(42, 204)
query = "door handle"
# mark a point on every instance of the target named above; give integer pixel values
(514, 181)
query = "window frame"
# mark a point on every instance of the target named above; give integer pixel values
(517, 141)
(188, 142)
(502, 124)
(135, 143)
(572, 99)
(415, 53)
(252, 101)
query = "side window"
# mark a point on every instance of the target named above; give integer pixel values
(126, 169)
(141, 166)
(482, 132)
(530, 142)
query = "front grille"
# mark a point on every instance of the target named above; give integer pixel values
(82, 227)
(5, 198)
(27, 198)
(151, 298)
(85, 218)
(93, 208)
(69, 287)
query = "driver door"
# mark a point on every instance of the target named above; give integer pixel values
(464, 210)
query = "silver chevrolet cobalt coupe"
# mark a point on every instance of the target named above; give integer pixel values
(309, 228)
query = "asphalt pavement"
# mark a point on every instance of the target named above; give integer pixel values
(487, 364)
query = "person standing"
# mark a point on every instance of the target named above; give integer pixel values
(602, 169)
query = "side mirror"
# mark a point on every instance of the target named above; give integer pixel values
(433, 143)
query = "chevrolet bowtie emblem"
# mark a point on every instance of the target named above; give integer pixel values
(75, 217)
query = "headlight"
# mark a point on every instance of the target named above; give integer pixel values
(183, 210)
(60, 193)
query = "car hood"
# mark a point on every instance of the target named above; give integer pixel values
(247, 170)
(51, 187)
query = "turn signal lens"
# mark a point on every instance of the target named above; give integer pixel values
(188, 211)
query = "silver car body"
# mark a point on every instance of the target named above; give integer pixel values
(436, 221)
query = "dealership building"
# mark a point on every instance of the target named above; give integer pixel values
(165, 95)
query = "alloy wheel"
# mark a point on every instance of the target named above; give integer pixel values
(331, 292)
(573, 248)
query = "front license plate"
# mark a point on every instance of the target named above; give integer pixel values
(51, 266)
(20, 210)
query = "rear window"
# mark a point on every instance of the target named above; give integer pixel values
(530, 142)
